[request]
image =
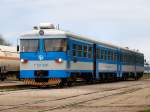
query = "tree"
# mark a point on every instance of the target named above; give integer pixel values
(3, 41)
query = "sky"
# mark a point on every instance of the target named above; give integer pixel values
(121, 22)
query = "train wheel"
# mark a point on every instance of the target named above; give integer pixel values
(88, 81)
(92, 81)
(124, 78)
(115, 77)
(69, 83)
(135, 78)
(62, 83)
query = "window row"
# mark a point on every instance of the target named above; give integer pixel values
(140, 60)
(104, 54)
(87, 52)
(82, 51)
(131, 58)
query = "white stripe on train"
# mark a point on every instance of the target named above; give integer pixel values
(52, 65)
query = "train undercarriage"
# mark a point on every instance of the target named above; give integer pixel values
(84, 77)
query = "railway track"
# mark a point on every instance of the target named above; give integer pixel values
(14, 89)
(65, 102)
(89, 99)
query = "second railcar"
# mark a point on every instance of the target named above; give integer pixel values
(9, 61)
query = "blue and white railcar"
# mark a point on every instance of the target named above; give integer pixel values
(51, 56)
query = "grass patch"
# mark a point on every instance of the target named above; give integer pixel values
(147, 110)
(146, 75)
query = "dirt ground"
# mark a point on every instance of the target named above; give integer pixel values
(126, 96)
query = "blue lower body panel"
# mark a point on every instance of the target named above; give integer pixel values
(51, 74)
(57, 73)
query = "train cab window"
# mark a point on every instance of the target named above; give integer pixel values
(85, 52)
(98, 53)
(90, 52)
(79, 49)
(29, 45)
(56, 45)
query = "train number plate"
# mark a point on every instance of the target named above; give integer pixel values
(39, 65)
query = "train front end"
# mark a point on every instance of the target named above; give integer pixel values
(43, 56)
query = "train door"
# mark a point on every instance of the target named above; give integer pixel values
(95, 64)
(69, 48)
(135, 66)
(119, 65)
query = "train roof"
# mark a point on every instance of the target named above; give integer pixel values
(64, 34)
(47, 32)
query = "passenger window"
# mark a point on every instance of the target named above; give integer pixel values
(115, 56)
(123, 58)
(129, 58)
(109, 55)
(79, 48)
(90, 52)
(103, 54)
(74, 53)
(74, 48)
(98, 53)
(85, 51)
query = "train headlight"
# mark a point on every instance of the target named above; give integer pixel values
(23, 61)
(59, 60)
